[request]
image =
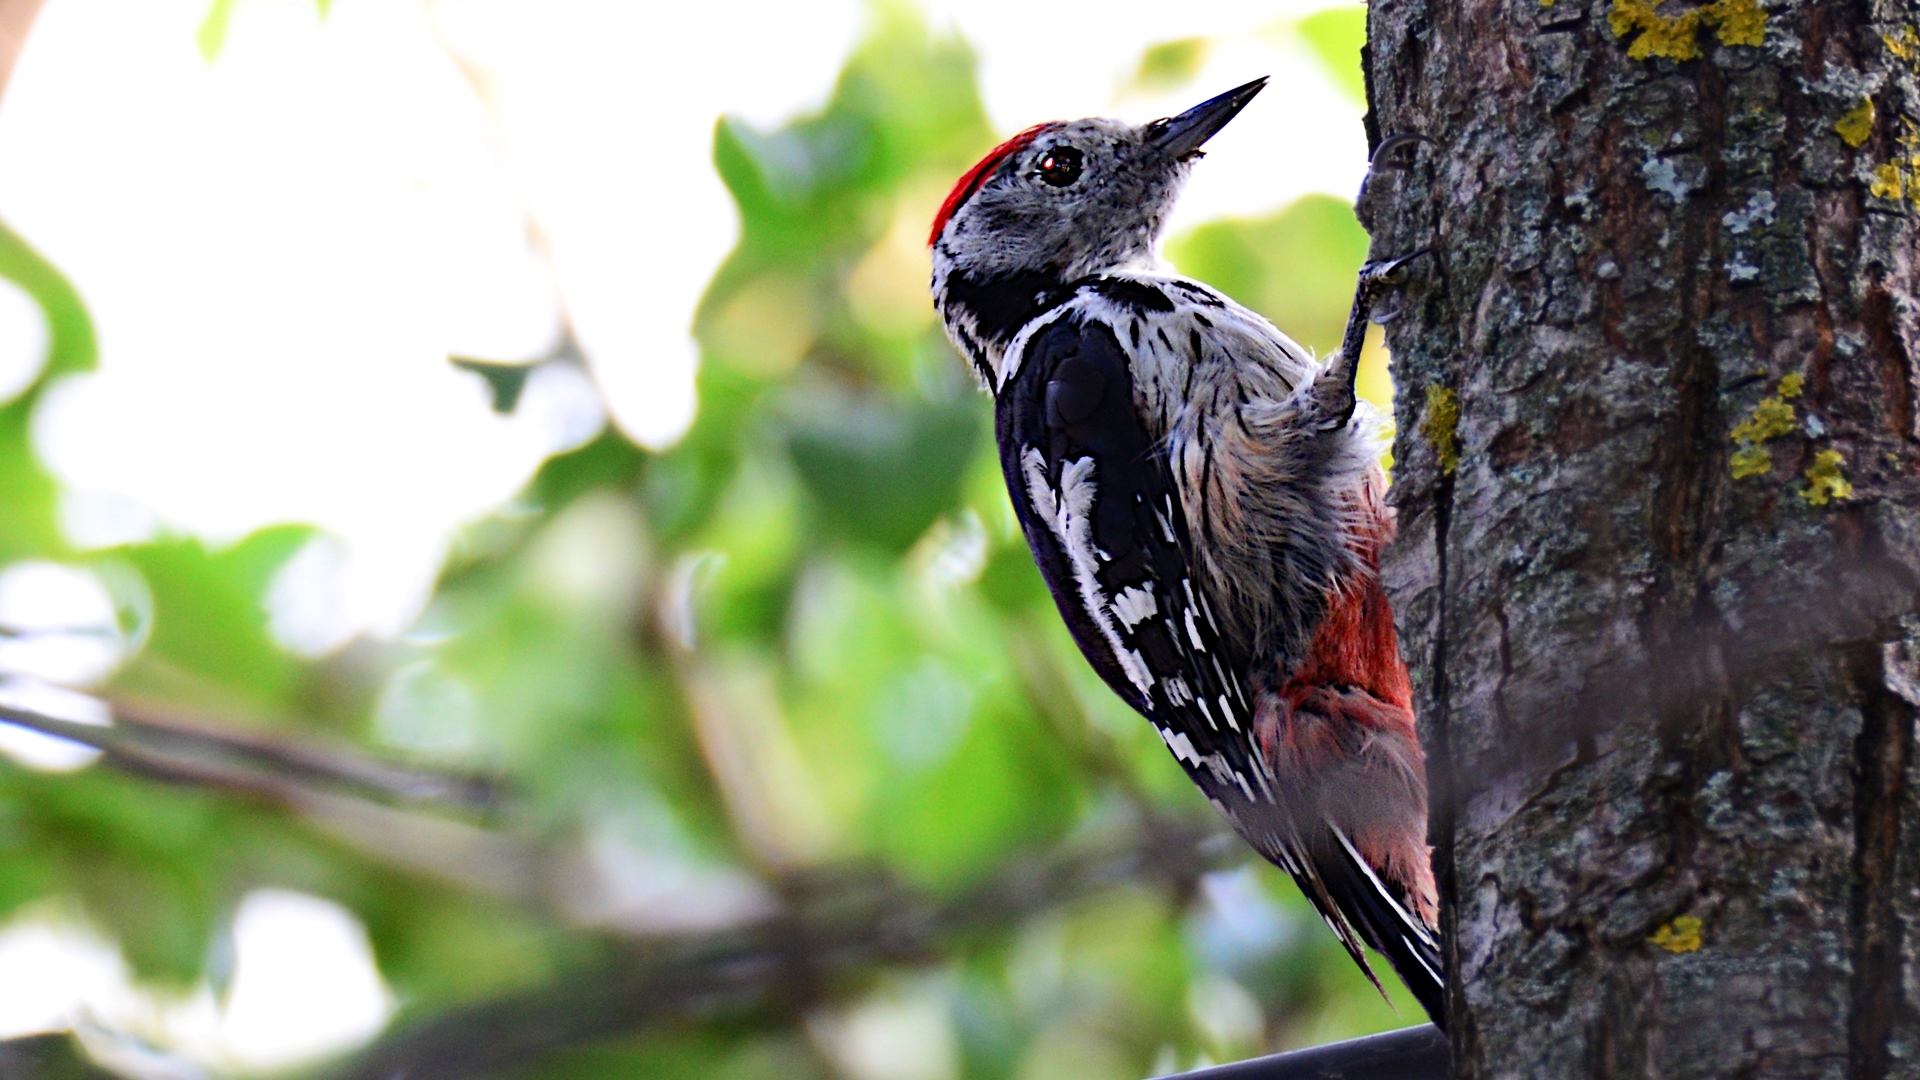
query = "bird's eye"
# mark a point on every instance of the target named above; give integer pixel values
(1059, 166)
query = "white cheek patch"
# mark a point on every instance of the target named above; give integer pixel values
(1068, 514)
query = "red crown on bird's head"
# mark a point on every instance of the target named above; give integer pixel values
(977, 176)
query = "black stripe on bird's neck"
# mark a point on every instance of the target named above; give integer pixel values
(1002, 304)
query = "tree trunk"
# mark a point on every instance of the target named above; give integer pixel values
(1659, 498)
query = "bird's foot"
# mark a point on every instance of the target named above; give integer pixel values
(1379, 280)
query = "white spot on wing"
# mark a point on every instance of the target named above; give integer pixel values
(1068, 513)
(1242, 781)
(1221, 673)
(1133, 605)
(1260, 773)
(1178, 742)
(1177, 691)
(1207, 610)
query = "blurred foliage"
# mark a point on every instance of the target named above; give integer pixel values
(809, 633)
(1296, 267)
(212, 35)
(1171, 65)
(1336, 37)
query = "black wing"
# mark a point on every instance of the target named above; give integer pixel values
(1095, 495)
(1096, 499)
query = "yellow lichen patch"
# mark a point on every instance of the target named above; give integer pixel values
(1905, 44)
(1856, 127)
(1900, 178)
(1682, 935)
(1770, 419)
(1751, 461)
(1738, 22)
(1889, 181)
(1825, 482)
(1677, 37)
(1442, 426)
(1902, 174)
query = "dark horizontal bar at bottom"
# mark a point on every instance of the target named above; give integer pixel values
(1415, 1053)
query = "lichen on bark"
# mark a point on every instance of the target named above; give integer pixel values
(1651, 692)
(1677, 36)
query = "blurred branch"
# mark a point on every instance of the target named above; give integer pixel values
(839, 926)
(348, 795)
(1415, 1053)
(340, 792)
(270, 766)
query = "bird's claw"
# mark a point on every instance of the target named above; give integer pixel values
(1382, 157)
(1380, 279)
(1389, 273)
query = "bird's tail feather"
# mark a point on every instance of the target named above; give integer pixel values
(1385, 921)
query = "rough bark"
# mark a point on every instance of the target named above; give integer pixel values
(1653, 692)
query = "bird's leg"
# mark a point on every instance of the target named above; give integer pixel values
(1333, 387)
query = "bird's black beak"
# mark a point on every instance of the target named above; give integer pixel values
(1179, 136)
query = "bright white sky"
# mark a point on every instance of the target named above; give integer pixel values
(281, 249)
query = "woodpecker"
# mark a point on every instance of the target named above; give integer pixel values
(1204, 500)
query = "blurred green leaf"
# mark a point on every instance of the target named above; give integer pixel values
(1171, 64)
(210, 619)
(714, 1054)
(149, 864)
(881, 472)
(72, 346)
(609, 462)
(28, 495)
(504, 381)
(815, 195)
(1336, 36)
(212, 35)
(1296, 267)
